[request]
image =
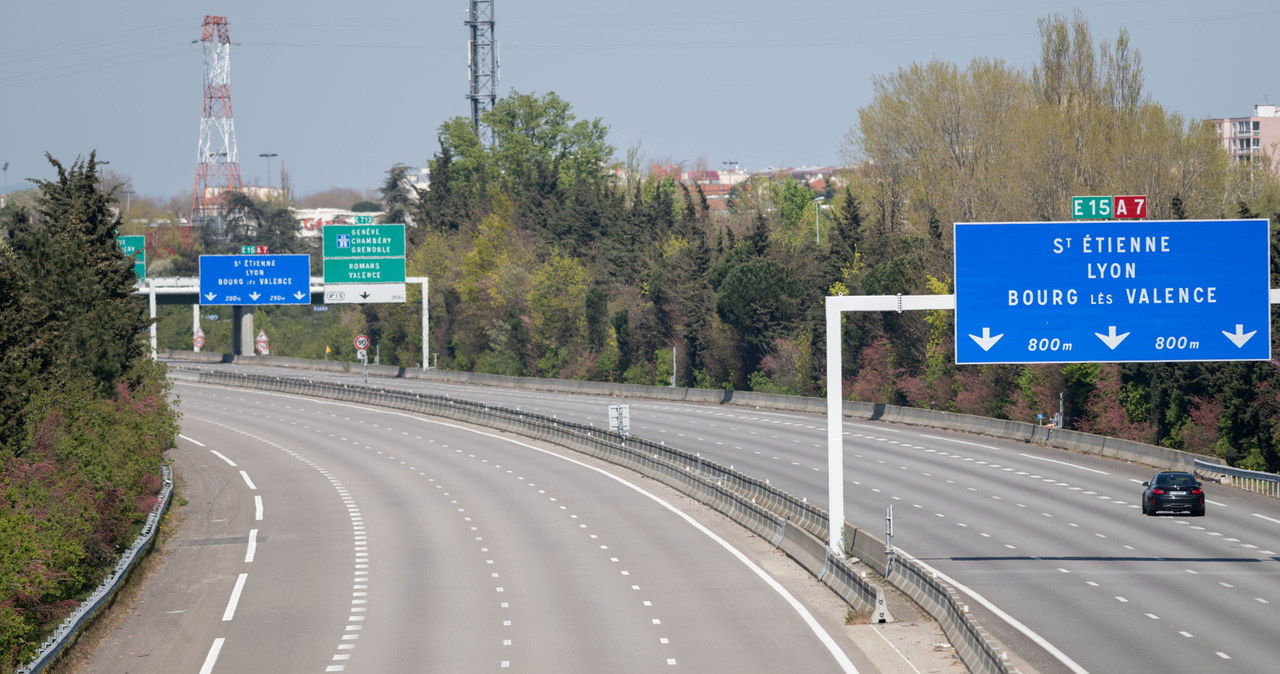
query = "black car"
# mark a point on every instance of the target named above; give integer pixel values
(1174, 491)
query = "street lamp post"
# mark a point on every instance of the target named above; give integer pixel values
(268, 156)
(817, 206)
(127, 194)
(5, 169)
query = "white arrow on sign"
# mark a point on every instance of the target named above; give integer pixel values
(255, 295)
(986, 341)
(210, 296)
(299, 295)
(1111, 339)
(1239, 337)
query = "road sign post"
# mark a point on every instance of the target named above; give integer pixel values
(362, 353)
(1134, 291)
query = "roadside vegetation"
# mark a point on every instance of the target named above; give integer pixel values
(84, 414)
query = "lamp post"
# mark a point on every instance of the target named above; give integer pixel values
(5, 169)
(268, 156)
(127, 194)
(817, 206)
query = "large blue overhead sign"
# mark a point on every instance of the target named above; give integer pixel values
(1134, 291)
(255, 279)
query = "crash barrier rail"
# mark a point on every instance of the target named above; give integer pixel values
(790, 524)
(71, 627)
(1161, 458)
(1267, 484)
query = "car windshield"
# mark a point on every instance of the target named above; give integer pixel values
(1176, 480)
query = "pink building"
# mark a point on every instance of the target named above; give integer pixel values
(1248, 137)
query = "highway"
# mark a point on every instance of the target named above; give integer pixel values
(1059, 562)
(323, 537)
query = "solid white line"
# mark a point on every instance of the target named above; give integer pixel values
(253, 546)
(1266, 518)
(195, 442)
(257, 507)
(1013, 622)
(220, 455)
(247, 481)
(895, 650)
(961, 442)
(212, 657)
(1064, 463)
(235, 598)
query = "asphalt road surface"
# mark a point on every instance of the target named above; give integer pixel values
(319, 536)
(1050, 547)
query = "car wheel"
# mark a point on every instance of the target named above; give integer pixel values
(1198, 512)
(1144, 506)
(1149, 509)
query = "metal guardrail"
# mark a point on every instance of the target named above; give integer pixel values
(791, 524)
(69, 629)
(1267, 484)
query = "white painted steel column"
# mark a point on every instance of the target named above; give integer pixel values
(426, 322)
(195, 323)
(835, 429)
(151, 287)
(835, 306)
(426, 317)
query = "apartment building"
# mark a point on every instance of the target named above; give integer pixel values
(1246, 138)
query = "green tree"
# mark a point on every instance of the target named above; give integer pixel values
(398, 196)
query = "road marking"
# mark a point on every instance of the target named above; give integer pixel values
(220, 455)
(235, 598)
(1269, 519)
(961, 442)
(193, 441)
(247, 481)
(257, 507)
(212, 657)
(1010, 620)
(253, 546)
(1064, 463)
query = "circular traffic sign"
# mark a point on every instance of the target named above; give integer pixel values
(362, 342)
(198, 340)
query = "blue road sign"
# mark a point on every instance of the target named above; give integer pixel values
(255, 279)
(1112, 292)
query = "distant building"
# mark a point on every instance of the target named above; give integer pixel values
(1247, 138)
(311, 221)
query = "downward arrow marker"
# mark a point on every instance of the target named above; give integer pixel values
(1239, 337)
(254, 296)
(1111, 339)
(210, 296)
(986, 341)
(299, 295)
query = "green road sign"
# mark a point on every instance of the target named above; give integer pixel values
(135, 245)
(364, 219)
(364, 270)
(364, 240)
(1091, 208)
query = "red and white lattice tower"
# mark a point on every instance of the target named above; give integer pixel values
(217, 162)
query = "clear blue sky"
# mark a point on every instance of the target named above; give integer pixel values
(341, 90)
